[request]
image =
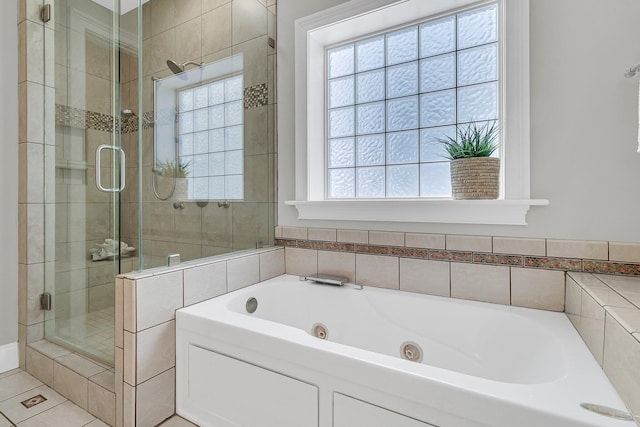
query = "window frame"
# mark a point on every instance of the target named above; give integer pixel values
(358, 18)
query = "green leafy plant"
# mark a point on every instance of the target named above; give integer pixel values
(179, 169)
(473, 140)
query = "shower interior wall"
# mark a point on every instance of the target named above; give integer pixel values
(202, 31)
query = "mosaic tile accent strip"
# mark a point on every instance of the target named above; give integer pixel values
(493, 259)
(509, 260)
(30, 403)
(256, 96)
(608, 267)
(568, 264)
(83, 119)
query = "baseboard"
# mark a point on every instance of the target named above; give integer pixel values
(8, 357)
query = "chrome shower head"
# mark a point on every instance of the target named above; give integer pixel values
(180, 68)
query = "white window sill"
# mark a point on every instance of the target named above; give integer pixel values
(447, 211)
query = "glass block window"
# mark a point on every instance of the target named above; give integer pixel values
(211, 140)
(392, 96)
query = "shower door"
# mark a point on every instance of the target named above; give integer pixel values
(84, 176)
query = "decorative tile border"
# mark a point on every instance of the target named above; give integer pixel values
(256, 96)
(511, 260)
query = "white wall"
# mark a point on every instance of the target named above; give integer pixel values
(9, 173)
(583, 123)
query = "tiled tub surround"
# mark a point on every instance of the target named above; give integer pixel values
(145, 325)
(605, 310)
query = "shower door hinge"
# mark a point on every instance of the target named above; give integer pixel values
(45, 301)
(45, 13)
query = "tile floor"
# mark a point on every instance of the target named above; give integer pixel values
(17, 386)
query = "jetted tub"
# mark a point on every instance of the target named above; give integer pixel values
(474, 364)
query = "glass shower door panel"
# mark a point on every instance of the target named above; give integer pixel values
(83, 222)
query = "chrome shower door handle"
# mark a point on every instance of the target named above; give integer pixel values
(123, 168)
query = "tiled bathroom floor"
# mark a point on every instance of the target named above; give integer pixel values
(18, 388)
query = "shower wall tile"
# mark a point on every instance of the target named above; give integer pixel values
(573, 302)
(350, 236)
(469, 243)
(622, 362)
(337, 264)
(212, 4)
(249, 20)
(70, 384)
(186, 10)
(255, 52)
(420, 240)
(255, 137)
(204, 282)
(155, 399)
(624, 252)
(386, 238)
(162, 15)
(155, 351)
(157, 299)
(541, 289)
(243, 272)
(216, 29)
(424, 276)
(378, 271)
(101, 403)
(188, 39)
(294, 233)
(513, 245)
(480, 283)
(119, 313)
(40, 366)
(592, 325)
(217, 225)
(34, 38)
(301, 262)
(271, 264)
(578, 249)
(256, 178)
(322, 234)
(129, 358)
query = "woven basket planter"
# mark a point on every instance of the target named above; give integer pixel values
(475, 178)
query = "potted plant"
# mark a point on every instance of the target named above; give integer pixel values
(178, 170)
(474, 173)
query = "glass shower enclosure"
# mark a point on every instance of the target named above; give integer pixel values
(163, 144)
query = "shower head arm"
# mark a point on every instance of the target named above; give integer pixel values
(199, 64)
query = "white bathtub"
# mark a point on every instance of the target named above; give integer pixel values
(483, 364)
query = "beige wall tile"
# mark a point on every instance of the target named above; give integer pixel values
(573, 302)
(386, 238)
(155, 351)
(628, 287)
(49, 349)
(322, 234)
(468, 243)
(119, 313)
(216, 29)
(624, 252)
(535, 288)
(301, 262)
(578, 249)
(155, 399)
(353, 236)
(186, 10)
(424, 276)
(101, 403)
(243, 272)
(592, 325)
(70, 384)
(204, 282)
(622, 363)
(628, 318)
(299, 233)
(129, 406)
(271, 264)
(106, 380)
(40, 366)
(279, 232)
(79, 364)
(129, 358)
(519, 246)
(420, 240)
(158, 297)
(480, 283)
(249, 20)
(341, 264)
(378, 271)
(129, 308)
